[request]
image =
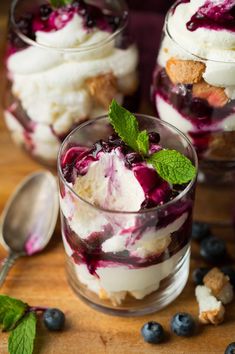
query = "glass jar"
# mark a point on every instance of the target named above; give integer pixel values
(124, 262)
(63, 67)
(193, 89)
(195, 92)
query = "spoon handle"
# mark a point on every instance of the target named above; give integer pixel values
(6, 265)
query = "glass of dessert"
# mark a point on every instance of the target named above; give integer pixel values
(126, 196)
(194, 89)
(65, 62)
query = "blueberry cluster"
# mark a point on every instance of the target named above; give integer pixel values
(212, 250)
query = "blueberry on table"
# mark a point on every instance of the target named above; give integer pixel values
(230, 349)
(183, 324)
(54, 319)
(200, 230)
(213, 249)
(230, 272)
(198, 275)
(152, 332)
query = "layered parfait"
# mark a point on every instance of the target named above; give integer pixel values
(194, 81)
(66, 60)
(126, 210)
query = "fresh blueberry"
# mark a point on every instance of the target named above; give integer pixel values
(54, 319)
(230, 349)
(200, 231)
(230, 272)
(213, 249)
(154, 137)
(152, 332)
(114, 22)
(183, 324)
(115, 140)
(45, 11)
(133, 157)
(198, 275)
(90, 22)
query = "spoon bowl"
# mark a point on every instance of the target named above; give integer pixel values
(29, 217)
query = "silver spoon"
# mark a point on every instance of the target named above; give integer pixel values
(29, 218)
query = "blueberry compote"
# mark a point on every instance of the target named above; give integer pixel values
(139, 249)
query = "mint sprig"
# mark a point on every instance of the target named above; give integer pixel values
(60, 3)
(171, 165)
(21, 339)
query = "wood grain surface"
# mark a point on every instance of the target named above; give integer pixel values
(40, 280)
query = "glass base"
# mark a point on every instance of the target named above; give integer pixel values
(169, 290)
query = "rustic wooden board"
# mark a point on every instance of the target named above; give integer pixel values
(41, 280)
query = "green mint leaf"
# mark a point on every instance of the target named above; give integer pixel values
(125, 124)
(11, 311)
(143, 142)
(60, 3)
(21, 339)
(172, 166)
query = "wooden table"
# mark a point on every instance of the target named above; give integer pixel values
(41, 280)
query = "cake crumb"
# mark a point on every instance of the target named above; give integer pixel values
(215, 96)
(103, 88)
(184, 71)
(210, 309)
(219, 284)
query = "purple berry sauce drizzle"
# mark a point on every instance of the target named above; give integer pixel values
(204, 118)
(48, 19)
(90, 252)
(76, 162)
(212, 15)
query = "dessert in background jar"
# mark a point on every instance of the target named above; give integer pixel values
(64, 64)
(194, 81)
(126, 199)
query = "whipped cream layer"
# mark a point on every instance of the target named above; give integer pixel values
(136, 249)
(50, 82)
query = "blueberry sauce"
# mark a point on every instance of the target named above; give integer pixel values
(77, 160)
(204, 118)
(48, 19)
(214, 15)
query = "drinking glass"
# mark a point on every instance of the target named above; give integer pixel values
(123, 262)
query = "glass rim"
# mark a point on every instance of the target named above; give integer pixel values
(168, 33)
(80, 49)
(143, 211)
